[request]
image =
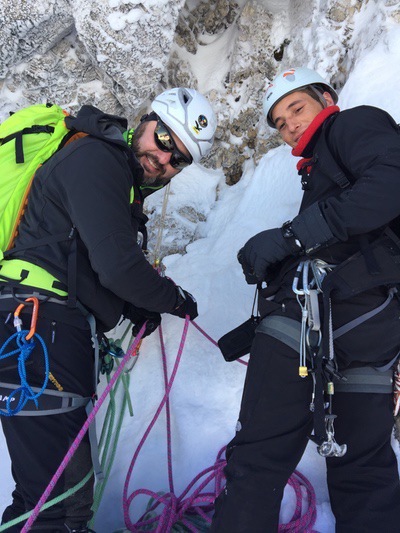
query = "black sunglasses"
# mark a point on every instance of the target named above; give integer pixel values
(166, 143)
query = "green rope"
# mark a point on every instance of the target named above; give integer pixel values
(111, 438)
(48, 504)
(110, 434)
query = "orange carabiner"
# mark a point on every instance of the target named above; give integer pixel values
(34, 316)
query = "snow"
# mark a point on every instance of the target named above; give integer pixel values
(206, 394)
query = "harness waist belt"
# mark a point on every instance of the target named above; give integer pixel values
(363, 379)
(50, 402)
(23, 273)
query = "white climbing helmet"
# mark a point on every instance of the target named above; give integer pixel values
(190, 116)
(289, 81)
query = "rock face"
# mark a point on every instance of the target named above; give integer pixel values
(118, 54)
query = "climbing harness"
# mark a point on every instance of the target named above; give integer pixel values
(314, 280)
(51, 401)
(25, 341)
(109, 435)
(130, 353)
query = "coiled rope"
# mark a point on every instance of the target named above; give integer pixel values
(193, 508)
(24, 350)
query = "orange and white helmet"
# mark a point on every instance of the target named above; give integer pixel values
(291, 80)
(190, 116)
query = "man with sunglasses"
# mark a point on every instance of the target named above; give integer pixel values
(78, 253)
(159, 168)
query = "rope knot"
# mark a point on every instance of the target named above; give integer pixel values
(24, 392)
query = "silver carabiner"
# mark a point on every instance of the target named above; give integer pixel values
(295, 284)
(318, 344)
(320, 269)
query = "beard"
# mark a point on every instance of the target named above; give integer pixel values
(154, 180)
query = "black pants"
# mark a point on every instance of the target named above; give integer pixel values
(37, 444)
(272, 434)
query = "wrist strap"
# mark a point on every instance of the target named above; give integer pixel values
(293, 242)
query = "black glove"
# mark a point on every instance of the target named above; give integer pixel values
(308, 232)
(264, 250)
(139, 316)
(185, 305)
(311, 228)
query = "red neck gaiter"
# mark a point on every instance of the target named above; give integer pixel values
(307, 137)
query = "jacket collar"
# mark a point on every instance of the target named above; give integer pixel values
(309, 138)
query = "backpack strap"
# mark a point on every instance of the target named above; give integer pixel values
(18, 136)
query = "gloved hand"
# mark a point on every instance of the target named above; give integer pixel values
(139, 316)
(264, 250)
(185, 305)
(308, 232)
(313, 230)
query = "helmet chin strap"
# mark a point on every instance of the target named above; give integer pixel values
(148, 117)
(319, 94)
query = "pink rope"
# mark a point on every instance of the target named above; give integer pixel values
(127, 500)
(193, 501)
(168, 414)
(301, 523)
(197, 502)
(202, 503)
(130, 353)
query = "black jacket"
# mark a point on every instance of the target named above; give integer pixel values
(365, 143)
(88, 184)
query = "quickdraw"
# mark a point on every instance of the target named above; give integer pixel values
(312, 361)
(307, 297)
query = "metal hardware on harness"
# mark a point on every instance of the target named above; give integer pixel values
(312, 273)
(18, 321)
(307, 297)
(330, 448)
(313, 350)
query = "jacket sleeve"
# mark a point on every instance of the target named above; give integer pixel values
(96, 194)
(366, 141)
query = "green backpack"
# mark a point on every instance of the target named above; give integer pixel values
(28, 138)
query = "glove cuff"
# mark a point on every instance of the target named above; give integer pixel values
(311, 229)
(291, 239)
(180, 297)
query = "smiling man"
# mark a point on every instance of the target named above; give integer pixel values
(178, 132)
(339, 259)
(77, 252)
